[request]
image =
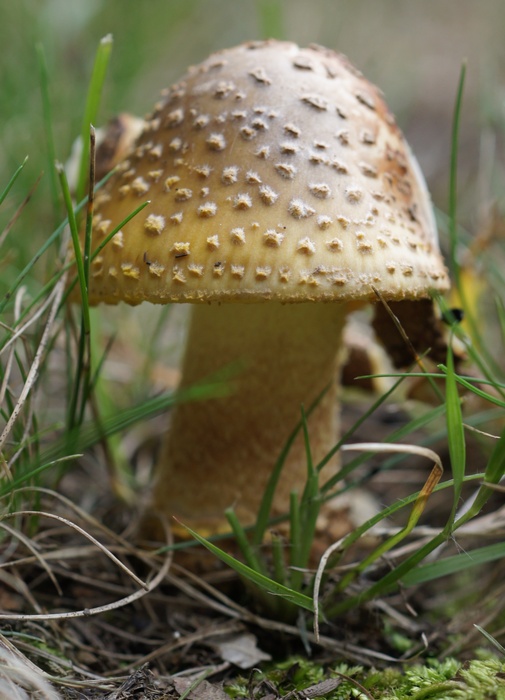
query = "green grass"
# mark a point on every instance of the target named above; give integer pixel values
(436, 680)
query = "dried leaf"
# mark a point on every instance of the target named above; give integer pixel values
(203, 691)
(239, 649)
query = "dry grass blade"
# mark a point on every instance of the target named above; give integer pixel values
(145, 587)
(87, 612)
(10, 358)
(473, 429)
(20, 679)
(184, 641)
(19, 332)
(15, 583)
(325, 687)
(431, 482)
(232, 609)
(19, 210)
(408, 449)
(83, 515)
(315, 691)
(8, 647)
(28, 543)
(494, 487)
(37, 360)
(87, 535)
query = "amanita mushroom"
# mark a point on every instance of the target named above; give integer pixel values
(282, 193)
(113, 144)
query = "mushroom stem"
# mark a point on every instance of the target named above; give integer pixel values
(220, 452)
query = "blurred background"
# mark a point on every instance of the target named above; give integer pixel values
(413, 50)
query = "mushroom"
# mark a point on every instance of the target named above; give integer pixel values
(113, 143)
(282, 195)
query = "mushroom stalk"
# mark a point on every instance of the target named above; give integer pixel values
(220, 452)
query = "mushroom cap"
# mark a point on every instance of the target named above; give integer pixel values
(273, 172)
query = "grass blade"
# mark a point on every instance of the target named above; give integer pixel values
(81, 378)
(268, 496)
(243, 542)
(90, 434)
(103, 243)
(491, 639)
(455, 564)
(13, 179)
(328, 485)
(311, 500)
(453, 180)
(455, 431)
(55, 236)
(92, 103)
(394, 437)
(259, 579)
(417, 509)
(494, 473)
(295, 536)
(48, 128)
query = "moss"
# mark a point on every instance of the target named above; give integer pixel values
(479, 679)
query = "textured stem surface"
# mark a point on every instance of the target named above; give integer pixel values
(220, 452)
